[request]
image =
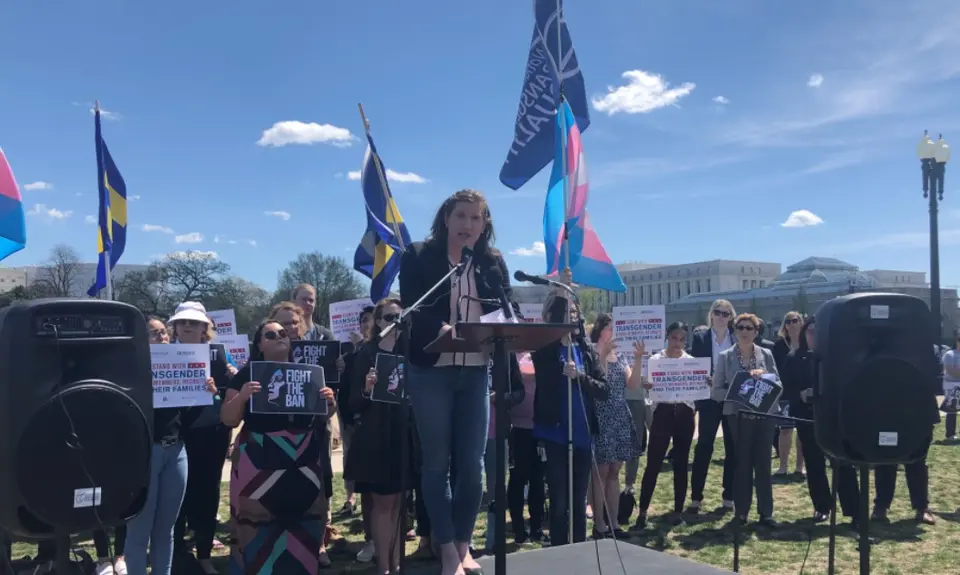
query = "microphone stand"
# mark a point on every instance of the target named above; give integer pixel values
(404, 323)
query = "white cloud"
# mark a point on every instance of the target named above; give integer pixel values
(252, 243)
(902, 240)
(133, 198)
(837, 161)
(722, 100)
(802, 219)
(89, 219)
(36, 186)
(191, 238)
(40, 210)
(643, 93)
(193, 255)
(155, 228)
(537, 249)
(107, 114)
(219, 239)
(400, 177)
(279, 214)
(815, 81)
(293, 132)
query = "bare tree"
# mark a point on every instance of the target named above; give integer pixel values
(193, 276)
(250, 302)
(58, 276)
(331, 276)
(147, 290)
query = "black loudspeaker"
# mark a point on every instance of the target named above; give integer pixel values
(875, 399)
(76, 416)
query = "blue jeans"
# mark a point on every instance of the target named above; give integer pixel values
(451, 406)
(154, 525)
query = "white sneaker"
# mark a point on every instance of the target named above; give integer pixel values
(105, 568)
(368, 552)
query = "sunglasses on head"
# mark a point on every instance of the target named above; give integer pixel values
(274, 335)
(721, 313)
(745, 327)
(388, 317)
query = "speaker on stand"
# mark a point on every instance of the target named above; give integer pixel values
(875, 397)
(76, 406)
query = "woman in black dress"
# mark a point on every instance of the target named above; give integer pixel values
(376, 462)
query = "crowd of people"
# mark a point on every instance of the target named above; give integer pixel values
(429, 454)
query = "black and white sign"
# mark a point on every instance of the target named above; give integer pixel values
(391, 385)
(347, 347)
(320, 353)
(287, 388)
(757, 395)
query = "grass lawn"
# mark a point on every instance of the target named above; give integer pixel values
(902, 547)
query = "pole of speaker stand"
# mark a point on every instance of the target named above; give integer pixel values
(864, 520)
(108, 273)
(62, 554)
(736, 517)
(832, 534)
(501, 379)
(403, 332)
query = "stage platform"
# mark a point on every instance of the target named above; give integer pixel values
(581, 559)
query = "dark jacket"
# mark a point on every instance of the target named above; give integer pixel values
(765, 343)
(376, 448)
(551, 393)
(780, 350)
(422, 266)
(797, 374)
(703, 343)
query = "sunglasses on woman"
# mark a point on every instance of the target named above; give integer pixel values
(390, 317)
(793, 320)
(274, 335)
(745, 327)
(721, 313)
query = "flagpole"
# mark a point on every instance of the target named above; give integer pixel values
(108, 247)
(566, 270)
(383, 183)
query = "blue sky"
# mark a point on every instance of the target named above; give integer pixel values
(713, 123)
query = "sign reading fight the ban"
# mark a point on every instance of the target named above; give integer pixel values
(287, 388)
(320, 353)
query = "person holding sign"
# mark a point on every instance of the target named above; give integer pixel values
(710, 343)
(553, 370)
(617, 440)
(281, 455)
(751, 435)
(671, 422)
(448, 392)
(154, 526)
(206, 445)
(375, 463)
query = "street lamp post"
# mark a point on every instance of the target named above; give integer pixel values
(933, 166)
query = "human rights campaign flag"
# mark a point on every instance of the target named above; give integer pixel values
(535, 130)
(378, 255)
(112, 229)
(13, 228)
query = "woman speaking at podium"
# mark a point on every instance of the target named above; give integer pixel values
(448, 392)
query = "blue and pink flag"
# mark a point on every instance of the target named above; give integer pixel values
(13, 228)
(589, 262)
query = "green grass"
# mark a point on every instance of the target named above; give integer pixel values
(902, 547)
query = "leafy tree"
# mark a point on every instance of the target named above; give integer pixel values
(250, 302)
(18, 293)
(333, 279)
(591, 304)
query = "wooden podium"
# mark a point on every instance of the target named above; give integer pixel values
(499, 339)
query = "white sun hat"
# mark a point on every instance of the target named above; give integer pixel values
(190, 310)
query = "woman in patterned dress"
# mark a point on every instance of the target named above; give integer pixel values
(617, 441)
(277, 499)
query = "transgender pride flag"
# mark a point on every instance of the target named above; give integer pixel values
(13, 229)
(589, 262)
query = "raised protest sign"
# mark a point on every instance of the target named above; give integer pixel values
(238, 346)
(679, 380)
(225, 321)
(345, 318)
(320, 353)
(287, 388)
(391, 385)
(180, 373)
(640, 323)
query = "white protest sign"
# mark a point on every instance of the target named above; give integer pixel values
(238, 346)
(678, 380)
(345, 317)
(225, 320)
(636, 323)
(180, 373)
(532, 312)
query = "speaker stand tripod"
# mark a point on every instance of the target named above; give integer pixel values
(62, 565)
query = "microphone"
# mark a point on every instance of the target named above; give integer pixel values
(466, 258)
(537, 280)
(494, 281)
